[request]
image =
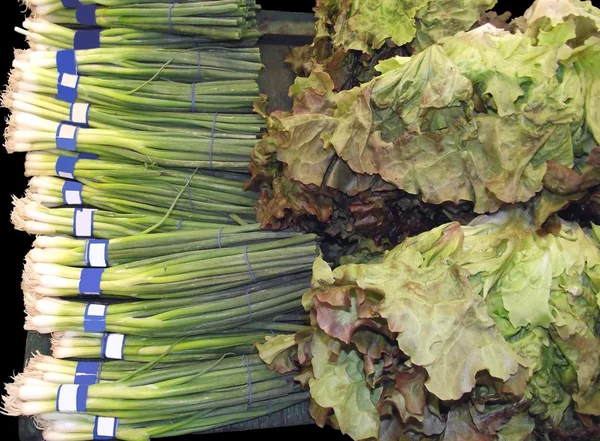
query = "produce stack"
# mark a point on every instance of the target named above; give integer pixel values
(451, 161)
(148, 269)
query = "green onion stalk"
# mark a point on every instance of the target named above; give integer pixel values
(34, 218)
(64, 371)
(187, 66)
(206, 421)
(218, 20)
(102, 117)
(189, 316)
(225, 96)
(79, 427)
(97, 170)
(71, 252)
(43, 35)
(26, 132)
(183, 275)
(167, 349)
(148, 396)
(158, 197)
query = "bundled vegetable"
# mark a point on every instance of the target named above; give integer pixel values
(43, 35)
(101, 116)
(473, 332)
(186, 66)
(480, 119)
(214, 20)
(34, 218)
(133, 402)
(180, 275)
(202, 314)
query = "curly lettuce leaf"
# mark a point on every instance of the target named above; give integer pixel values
(341, 385)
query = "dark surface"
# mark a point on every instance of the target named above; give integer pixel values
(16, 244)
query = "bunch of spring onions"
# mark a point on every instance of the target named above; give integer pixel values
(44, 35)
(123, 195)
(164, 400)
(200, 314)
(71, 252)
(186, 66)
(104, 117)
(217, 20)
(92, 346)
(148, 252)
(34, 218)
(182, 275)
(26, 132)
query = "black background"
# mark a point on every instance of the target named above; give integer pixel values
(14, 244)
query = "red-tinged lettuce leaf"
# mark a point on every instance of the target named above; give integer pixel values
(460, 427)
(342, 310)
(339, 384)
(288, 202)
(304, 152)
(410, 384)
(303, 339)
(442, 324)
(494, 418)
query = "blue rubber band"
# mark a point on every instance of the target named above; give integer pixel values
(65, 166)
(72, 193)
(83, 222)
(66, 62)
(66, 137)
(179, 224)
(86, 15)
(66, 87)
(198, 75)
(105, 428)
(79, 114)
(87, 372)
(104, 345)
(171, 6)
(249, 380)
(248, 263)
(94, 318)
(71, 398)
(249, 303)
(71, 3)
(96, 253)
(89, 282)
(219, 237)
(86, 39)
(193, 97)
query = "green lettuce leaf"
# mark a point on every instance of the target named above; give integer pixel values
(341, 385)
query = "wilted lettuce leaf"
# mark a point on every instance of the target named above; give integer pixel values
(556, 22)
(441, 323)
(460, 426)
(277, 352)
(518, 428)
(447, 17)
(340, 384)
(288, 201)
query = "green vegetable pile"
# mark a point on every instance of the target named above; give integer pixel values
(480, 332)
(479, 120)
